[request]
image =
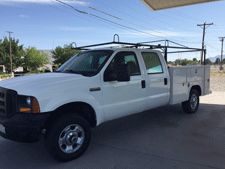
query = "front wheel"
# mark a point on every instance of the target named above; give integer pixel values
(68, 137)
(191, 105)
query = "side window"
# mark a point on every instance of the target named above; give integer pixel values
(126, 58)
(152, 62)
(101, 59)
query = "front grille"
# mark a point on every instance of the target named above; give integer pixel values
(2, 103)
(8, 99)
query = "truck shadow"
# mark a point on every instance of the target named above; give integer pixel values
(113, 133)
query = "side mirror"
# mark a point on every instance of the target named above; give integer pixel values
(123, 73)
(109, 75)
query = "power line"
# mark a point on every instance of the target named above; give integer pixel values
(144, 21)
(121, 18)
(215, 33)
(86, 18)
(108, 21)
(83, 12)
(95, 22)
(76, 15)
(143, 6)
(130, 15)
(219, 29)
(150, 16)
(185, 15)
(212, 46)
(103, 18)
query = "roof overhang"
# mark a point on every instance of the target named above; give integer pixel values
(156, 5)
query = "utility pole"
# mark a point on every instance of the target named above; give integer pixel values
(10, 53)
(221, 67)
(203, 38)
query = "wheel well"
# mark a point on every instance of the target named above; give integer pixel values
(198, 88)
(81, 108)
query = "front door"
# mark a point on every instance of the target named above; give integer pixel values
(124, 98)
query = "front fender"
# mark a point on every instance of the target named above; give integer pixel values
(62, 99)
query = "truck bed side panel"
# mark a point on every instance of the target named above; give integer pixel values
(183, 78)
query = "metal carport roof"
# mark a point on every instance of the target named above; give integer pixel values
(156, 5)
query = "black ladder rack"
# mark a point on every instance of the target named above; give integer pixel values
(146, 45)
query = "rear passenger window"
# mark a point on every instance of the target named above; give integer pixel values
(152, 62)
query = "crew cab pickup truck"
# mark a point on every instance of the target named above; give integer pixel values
(93, 87)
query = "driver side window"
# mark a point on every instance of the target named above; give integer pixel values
(125, 58)
(128, 58)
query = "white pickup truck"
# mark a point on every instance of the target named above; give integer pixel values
(93, 87)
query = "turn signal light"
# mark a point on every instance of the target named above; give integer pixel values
(35, 106)
(27, 110)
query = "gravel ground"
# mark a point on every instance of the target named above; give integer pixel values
(217, 83)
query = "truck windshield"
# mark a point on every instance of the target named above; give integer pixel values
(87, 63)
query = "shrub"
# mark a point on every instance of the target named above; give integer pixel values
(33, 72)
(47, 70)
(2, 73)
(5, 76)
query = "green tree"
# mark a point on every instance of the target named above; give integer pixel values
(16, 50)
(217, 61)
(33, 59)
(184, 62)
(208, 62)
(194, 59)
(223, 61)
(61, 55)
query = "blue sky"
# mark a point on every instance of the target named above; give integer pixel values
(46, 24)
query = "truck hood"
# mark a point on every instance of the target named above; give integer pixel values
(34, 83)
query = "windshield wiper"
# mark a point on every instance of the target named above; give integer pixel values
(72, 71)
(80, 72)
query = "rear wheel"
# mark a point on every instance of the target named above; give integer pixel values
(68, 137)
(191, 105)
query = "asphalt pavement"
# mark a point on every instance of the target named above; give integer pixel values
(165, 137)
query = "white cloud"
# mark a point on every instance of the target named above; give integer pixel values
(16, 2)
(160, 33)
(23, 16)
(31, 1)
(170, 28)
(67, 28)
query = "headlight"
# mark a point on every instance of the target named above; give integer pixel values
(28, 100)
(27, 104)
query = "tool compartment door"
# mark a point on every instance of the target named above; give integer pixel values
(178, 84)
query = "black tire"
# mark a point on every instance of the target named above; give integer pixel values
(69, 129)
(190, 106)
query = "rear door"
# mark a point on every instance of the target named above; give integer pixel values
(124, 98)
(157, 79)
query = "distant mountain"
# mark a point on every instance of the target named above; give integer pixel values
(213, 59)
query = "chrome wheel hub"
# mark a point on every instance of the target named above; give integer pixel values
(194, 101)
(71, 138)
